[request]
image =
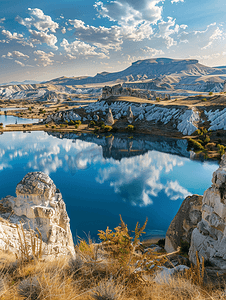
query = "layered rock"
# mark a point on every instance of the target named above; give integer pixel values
(37, 207)
(209, 237)
(184, 223)
(130, 115)
(118, 90)
(109, 118)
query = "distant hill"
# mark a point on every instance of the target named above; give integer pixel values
(20, 82)
(144, 70)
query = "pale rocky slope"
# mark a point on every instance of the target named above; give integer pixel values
(209, 237)
(38, 204)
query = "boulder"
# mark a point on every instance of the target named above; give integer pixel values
(37, 208)
(130, 115)
(209, 237)
(184, 223)
(109, 118)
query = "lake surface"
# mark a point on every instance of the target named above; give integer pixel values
(6, 120)
(101, 178)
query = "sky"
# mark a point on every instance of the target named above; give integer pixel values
(42, 40)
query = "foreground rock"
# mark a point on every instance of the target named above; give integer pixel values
(184, 223)
(38, 204)
(209, 238)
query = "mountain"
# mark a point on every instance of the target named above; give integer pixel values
(20, 82)
(145, 70)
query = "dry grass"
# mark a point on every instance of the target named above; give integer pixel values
(97, 273)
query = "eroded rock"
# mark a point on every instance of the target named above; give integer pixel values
(38, 204)
(184, 223)
(209, 237)
(130, 115)
(109, 118)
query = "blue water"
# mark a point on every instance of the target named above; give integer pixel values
(97, 186)
(6, 120)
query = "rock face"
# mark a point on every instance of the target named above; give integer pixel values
(184, 223)
(118, 90)
(38, 204)
(209, 238)
(109, 118)
(130, 115)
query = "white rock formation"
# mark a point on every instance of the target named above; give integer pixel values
(209, 238)
(130, 115)
(67, 115)
(38, 204)
(185, 120)
(109, 118)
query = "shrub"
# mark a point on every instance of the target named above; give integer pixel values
(157, 99)
(204, 99)
(119, 242)
(207, 139)
(100, 123)
(71, 122)
(161, 243)
(76, 126)
(195, 145)
(47, 125)
(184, 247)
(130, 128)
(221, 149)
(29, 108)
(210, 93)
(107, 290)
(30, 288)
(53, 126)
(107, 128)
(92, 124)
(78, 122)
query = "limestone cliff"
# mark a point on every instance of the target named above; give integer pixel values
(38, 204)
(209, 237)
(183, 223)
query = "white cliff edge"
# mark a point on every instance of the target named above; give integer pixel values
(38, 204)
(209, 237)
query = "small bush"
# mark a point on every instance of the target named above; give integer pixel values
(195, 145)
(92, 124)
(100, 123)
(207, 139)
(157, 99)
(130, 128)
(184, 247)
(221, 149)
(53, 126)
(47, 125)
(204, 99)
(161, 243)
(71, 122)
(107, 290)
(29, 108)
(107, 128)
(76, 126)
(78, 122)
(210, 93)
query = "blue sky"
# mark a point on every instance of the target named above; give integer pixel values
(41, 40)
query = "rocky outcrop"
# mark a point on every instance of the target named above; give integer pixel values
(209, 237)
(118, 90)
(38, 207)
(67, 115)
(130, 115)
(184, 223)
(109, 118)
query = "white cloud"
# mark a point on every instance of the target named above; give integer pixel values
(12, 36)
(102, 37)
(63, 30)
(16, 54)
(44, 58)
(176, 1)
(2, 20)
(39, 20)
(151, 51)
(166, 29)
(175, 191)
(20, 63)
(218, 34)
(131, 11)
(81, 48)
(43, 37)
